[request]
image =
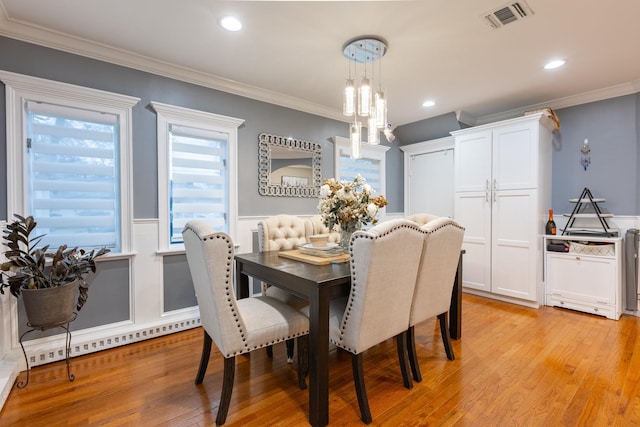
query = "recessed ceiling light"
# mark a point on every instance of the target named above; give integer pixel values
(230, 23)
(554, 64)
(429, 103)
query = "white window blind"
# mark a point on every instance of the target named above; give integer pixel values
(369, 169)
(198, 179)
(73, 176)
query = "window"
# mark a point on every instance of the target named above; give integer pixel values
(68, 161)
(371, 164)
(196, 171)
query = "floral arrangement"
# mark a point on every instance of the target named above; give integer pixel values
(348, 204)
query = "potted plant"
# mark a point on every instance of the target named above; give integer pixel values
(48, 281)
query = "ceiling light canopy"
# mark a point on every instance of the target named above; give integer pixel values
(363, 100)
(230, 23)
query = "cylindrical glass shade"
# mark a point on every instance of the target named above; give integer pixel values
(364, 97)
(355, 134)
(373, 132)
(349, 99)
(381, 110)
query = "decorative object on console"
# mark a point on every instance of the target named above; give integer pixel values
(582, 220)
(365, 102)
(348, 205)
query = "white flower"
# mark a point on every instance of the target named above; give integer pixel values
(325, 190)
(372, 210)
(367, 188)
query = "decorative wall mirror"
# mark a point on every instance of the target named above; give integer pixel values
(289, 167)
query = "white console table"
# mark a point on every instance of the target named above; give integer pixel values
(588, 278)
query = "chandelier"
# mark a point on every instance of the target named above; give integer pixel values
(363, 102)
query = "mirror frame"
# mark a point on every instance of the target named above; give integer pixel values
(266, 188)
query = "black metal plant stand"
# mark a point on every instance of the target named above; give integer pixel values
(64, 325)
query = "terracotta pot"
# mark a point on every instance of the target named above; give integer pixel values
(50, 306)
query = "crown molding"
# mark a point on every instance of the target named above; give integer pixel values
(41, 36)
(38, 35)
(567, 101)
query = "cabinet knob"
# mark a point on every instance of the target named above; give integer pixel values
(595, 308)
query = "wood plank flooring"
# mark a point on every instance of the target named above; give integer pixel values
(514, 366)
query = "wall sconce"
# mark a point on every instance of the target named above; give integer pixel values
(585, 151)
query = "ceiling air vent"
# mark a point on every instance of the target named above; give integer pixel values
(504, 15)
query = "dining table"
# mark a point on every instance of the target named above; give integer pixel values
(318, 284)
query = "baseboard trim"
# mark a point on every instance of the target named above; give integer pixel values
(52, 349)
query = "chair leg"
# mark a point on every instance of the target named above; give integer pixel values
(227, 388)
(361, 391)
(270, 351)
(401, 343)
(290, 344)
(303, 360)
(204, 359)
(444, 331)
(413, 356)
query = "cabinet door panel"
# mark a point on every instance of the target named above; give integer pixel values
(514, 244)
(473, 161)
(473, 211)
(584, 278)
(515, 157)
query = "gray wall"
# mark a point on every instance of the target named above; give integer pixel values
(613, 129)
(38, 61)
(25, 58)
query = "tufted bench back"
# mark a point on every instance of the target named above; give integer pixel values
(281, 232)
(316, 226)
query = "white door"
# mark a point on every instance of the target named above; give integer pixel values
(473, 161)
(514, 157)
(514, 244)
(431, 185)
(473, 212)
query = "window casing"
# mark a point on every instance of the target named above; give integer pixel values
(197, 173)
(68, 161)
(371, 164)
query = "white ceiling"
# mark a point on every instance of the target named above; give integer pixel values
(290, 52)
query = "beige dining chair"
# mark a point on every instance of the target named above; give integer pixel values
(422, 218)
(432, 296)
(236, 326)
(279, 233)
(314, 225)
(384, 267)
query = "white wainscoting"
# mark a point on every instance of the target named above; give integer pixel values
(147, 319)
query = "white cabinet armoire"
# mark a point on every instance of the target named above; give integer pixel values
(502, 197)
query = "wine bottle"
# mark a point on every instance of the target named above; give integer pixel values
(550, 228)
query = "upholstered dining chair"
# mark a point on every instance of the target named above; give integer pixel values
(279, 233)
(384, 267)
(422, 218)
(314, 225)
(432, 296)
(236, 326)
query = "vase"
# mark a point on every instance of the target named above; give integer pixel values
(50, 307)
(345, 235)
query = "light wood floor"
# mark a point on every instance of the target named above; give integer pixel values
(514, 366)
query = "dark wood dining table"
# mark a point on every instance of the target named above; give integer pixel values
(317, 284)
